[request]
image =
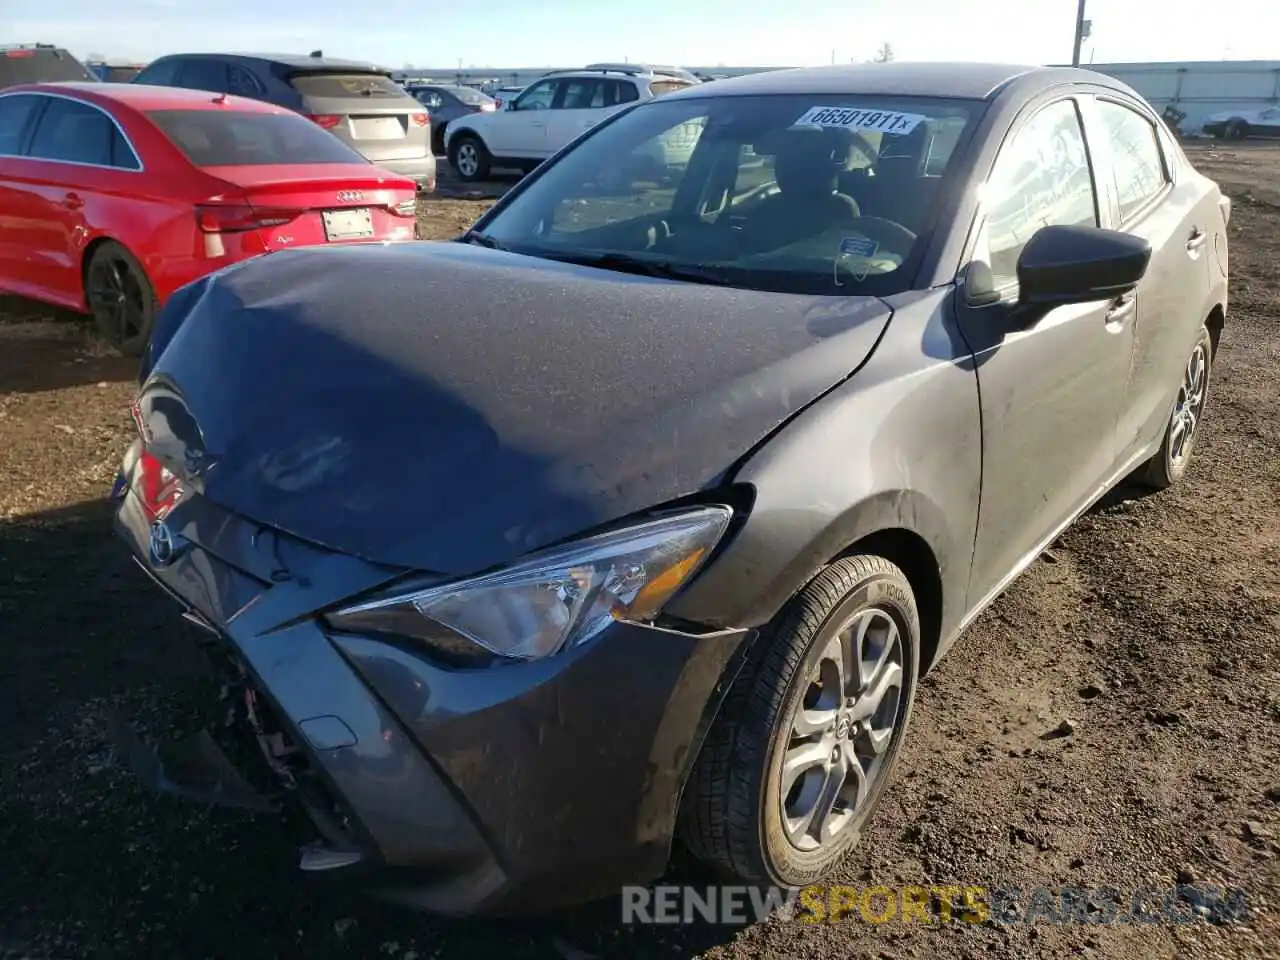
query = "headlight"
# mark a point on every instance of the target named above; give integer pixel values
(558, 598)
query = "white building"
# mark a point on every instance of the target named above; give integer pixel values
(1201, 87)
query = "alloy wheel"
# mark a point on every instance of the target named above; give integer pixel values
(842, 729)
(117, 298)
(1189, 406)
(468, 159)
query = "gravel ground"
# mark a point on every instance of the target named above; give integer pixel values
(1150, 626)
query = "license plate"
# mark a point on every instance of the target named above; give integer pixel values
(348, 224)
(377, 128)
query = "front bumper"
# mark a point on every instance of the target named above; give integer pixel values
(422, 170)
(522, 787)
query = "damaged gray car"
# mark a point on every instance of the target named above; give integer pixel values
(634, 515)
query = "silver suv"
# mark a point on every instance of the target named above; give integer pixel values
(357, 102)
(548, 114)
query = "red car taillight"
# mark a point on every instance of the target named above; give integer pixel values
(420, 119)
(233, 218)
(326, 120)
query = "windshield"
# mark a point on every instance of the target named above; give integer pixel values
(815, 194)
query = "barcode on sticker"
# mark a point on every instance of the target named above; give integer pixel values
(857, 118)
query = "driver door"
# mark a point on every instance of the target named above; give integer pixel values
(1051, 393)
(523, 130)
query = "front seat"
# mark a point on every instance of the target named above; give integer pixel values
(896, 191)
(807, 165)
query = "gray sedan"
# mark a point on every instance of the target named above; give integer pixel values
(446, 103)
(638, 512)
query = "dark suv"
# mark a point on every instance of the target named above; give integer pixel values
(40, 63)
(357, 102)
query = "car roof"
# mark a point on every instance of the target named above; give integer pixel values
(965, 81)
(143, 96)
(292, 60)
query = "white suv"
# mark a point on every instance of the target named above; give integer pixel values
(547, 114)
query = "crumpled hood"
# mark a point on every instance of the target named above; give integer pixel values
(448, 407)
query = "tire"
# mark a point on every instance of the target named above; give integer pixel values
(437, 140)
(734, 815)
(469, 158)
(1236, 130)
(120, 297)
(1173, 458)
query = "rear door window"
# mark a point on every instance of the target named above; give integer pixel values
(204, 74)
(215, 138)
(1135, 156)
(581, 93)
(75, 132)
(16, 111)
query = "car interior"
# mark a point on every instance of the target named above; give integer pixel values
(805, 200)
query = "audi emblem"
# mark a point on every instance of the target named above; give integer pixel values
(350, 196)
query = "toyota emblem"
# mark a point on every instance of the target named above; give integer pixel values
(350, 196)
(164, 545)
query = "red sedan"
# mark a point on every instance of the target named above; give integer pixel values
(112, 196)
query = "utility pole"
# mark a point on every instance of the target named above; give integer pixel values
(1080, 31)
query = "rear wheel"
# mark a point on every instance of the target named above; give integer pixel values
(469, 158)
(1236, 130)
(1174, 456)
(120, 297)
(798, 759)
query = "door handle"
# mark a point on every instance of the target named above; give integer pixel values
(589, 123)
(539, 124)
(72, 201)
(1196, 241)
(1122, 309)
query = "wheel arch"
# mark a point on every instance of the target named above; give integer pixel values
(1216, 321)
(760, 577)
(86, 257)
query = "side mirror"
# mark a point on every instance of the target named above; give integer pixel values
(1061, 265)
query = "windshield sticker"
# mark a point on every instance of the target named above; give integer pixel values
(862, 249)
(858, 247)
(855, 118)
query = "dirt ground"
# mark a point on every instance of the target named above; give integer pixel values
(1151, 625)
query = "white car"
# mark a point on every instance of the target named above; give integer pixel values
(551, 112)
(1238, 124)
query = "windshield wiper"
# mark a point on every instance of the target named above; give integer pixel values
(643, 266)
(482, 240)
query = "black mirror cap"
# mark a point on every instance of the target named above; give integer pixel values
(1061, 265)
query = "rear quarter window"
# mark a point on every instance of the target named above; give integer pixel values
(343, 86)
(216, 138)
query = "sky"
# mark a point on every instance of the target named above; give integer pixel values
(534, 33)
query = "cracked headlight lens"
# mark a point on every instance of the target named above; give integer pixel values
(558, 598)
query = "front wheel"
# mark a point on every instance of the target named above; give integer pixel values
(799, 757)
(1174, 456)
(120, 297)
(1237, 130)
(469, 158)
